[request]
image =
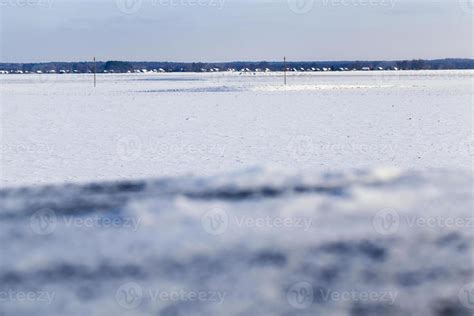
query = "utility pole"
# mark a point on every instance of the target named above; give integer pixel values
(95, 70)
(284, 70)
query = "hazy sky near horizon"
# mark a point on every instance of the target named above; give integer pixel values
(230, 30)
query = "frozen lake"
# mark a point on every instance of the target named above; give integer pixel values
(58, 128)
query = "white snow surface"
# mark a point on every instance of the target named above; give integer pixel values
(58, 128)
(227, 194)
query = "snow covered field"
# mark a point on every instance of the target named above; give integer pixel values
(58, 128)
(339, 194)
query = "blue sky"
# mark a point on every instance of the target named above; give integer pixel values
(228, 30)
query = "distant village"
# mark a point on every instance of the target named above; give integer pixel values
(161, 70)
(111, 67)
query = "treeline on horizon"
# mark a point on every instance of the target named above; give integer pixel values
(124, 66)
